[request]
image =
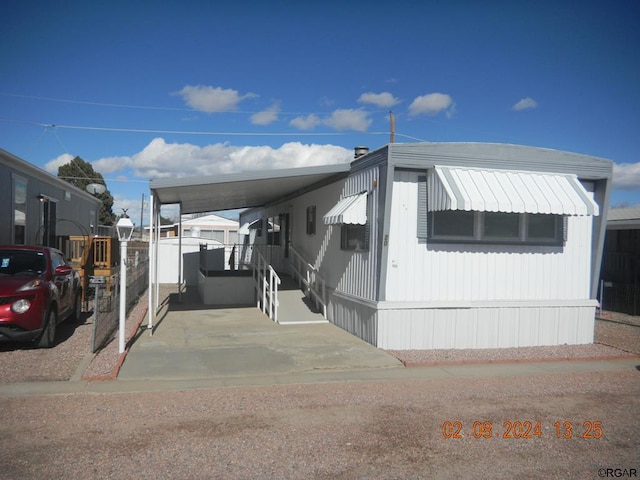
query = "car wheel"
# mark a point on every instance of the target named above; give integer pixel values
(48, 337)
(77, 308)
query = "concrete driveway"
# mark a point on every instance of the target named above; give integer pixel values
(194, 341)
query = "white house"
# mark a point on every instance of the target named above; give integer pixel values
(211, 227)
(432, 245)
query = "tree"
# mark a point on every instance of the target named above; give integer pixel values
(80, 173)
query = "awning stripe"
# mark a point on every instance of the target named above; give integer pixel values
(509, 191)
(349, 210)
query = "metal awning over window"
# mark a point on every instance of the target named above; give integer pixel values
(349, 210)
(507, 191)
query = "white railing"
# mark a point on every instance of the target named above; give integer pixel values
(266, 281)
(309, 279)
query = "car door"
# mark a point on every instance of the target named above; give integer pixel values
(63, 284)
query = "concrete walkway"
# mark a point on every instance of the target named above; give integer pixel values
(192, 341)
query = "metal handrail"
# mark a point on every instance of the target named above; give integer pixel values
(309, 276)
(266, 281)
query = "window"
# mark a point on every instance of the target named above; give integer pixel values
(49, 222)
(19, 210)
(311, 220)
(453, 224)
(543, 227)
(56, 260)
(354, 237)
(217, 235)
(496, 227)
(501, 226)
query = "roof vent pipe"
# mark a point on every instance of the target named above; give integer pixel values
(360, 151)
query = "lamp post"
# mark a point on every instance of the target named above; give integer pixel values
(125, 230)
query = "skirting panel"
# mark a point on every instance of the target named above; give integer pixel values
(354, 317)
(495, 327)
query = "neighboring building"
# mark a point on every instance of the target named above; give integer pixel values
(620, 273)
(432, 245)
(210, 231)
(211, 227)
(41, 209)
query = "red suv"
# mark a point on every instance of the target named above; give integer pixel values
(38, 290)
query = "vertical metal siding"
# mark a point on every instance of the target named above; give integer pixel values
(408, 329)
(355, 318)
(361, 276)
(439, 272)
(353, 273)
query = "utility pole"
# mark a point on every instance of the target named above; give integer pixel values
(392, 136)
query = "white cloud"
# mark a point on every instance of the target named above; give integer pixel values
(525, 104)
(626, 175)
(349, 119)
(164, 160)
(305, 123)
(212, 99)
(103, 166)
(52, 165)
(382, 100)
(160, 159)
(267, 116)
(327, 102)
(430, 104)
(108, 165)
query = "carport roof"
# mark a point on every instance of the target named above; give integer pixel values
(239, 190)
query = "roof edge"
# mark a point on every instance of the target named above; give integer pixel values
(249, 175)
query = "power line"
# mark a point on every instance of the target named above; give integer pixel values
(151, 107)
(106, 179)
(181, 132)
(51, 126)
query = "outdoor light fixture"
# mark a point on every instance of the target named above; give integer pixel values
(125, 230)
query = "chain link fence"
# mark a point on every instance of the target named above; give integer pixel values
(103, 294)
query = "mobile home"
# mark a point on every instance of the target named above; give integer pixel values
(436, 245)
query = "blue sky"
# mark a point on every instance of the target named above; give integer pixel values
(147, 90)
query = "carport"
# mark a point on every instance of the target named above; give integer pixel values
(223, 192)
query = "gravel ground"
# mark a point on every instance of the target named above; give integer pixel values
(354, 430)
(343, 430)
(25, 363)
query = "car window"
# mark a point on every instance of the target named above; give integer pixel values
(16, 262)
(56, 260)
